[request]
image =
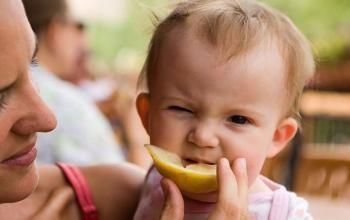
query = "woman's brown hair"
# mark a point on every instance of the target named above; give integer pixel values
(40, 13)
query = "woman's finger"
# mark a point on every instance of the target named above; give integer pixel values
(173, 208)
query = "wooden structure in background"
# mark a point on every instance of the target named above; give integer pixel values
(319, 162)
(324, 173)
(324, 162)
(276, 168)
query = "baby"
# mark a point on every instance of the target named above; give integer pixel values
(223, 78)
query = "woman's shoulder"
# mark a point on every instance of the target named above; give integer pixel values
(115, 189)
(51, 178)
(122, 175)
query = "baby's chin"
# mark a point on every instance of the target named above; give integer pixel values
(202, 197)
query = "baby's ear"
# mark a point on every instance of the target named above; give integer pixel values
(142, 105)
(283, 134)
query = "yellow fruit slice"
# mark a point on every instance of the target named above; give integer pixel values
(193, 178)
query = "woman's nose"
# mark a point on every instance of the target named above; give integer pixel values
(36, 116)
(204, 134)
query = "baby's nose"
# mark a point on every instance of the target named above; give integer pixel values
(204, 135)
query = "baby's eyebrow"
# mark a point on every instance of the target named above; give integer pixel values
(249, 111)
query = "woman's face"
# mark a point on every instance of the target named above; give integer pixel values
(22, 112)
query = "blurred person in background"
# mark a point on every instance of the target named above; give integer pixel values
(83, 135)
(115, 97)
(62, 191)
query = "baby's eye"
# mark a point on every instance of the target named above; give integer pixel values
(179, 108)
(238, 119)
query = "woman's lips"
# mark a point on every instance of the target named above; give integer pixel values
(25, 159)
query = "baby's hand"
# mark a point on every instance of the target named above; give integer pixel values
(233, 191)
(232, 199)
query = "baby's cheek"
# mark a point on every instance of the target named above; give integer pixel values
(254, 166)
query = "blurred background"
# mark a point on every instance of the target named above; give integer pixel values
(119, 29)
(317, 163)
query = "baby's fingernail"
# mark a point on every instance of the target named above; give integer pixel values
(241, 164)
(224, 162)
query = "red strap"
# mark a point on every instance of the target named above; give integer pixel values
(81, 189)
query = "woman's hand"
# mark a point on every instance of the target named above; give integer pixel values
(232, 196)
(173, 204)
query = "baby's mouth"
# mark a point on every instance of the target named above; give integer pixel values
(198, 177)
(186, 162)
(189, 161)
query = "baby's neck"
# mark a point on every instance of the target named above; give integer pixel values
(258, 186)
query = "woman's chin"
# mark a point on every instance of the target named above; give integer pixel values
(19, 187)
(202, 197)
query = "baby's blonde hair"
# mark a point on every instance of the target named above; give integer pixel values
(234, 27)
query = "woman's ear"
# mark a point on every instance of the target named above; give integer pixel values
(285, 131)
(142, 105)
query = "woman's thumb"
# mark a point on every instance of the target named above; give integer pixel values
(173, 208)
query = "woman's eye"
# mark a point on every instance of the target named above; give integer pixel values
(4, 93)
(179, 108)
(238, 119)
(3, 102)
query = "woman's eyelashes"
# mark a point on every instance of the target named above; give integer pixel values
(34, 62)
(3, 101)
(4, 93)
(179, 109)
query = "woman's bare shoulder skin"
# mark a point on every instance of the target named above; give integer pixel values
(116, 189)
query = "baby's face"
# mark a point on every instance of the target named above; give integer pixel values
(203, 109)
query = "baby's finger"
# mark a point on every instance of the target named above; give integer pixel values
(226, 181)
(227, 206)
(173, 205)
(240, 172)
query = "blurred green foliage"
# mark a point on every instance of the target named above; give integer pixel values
(123, 44)
(325, 22)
